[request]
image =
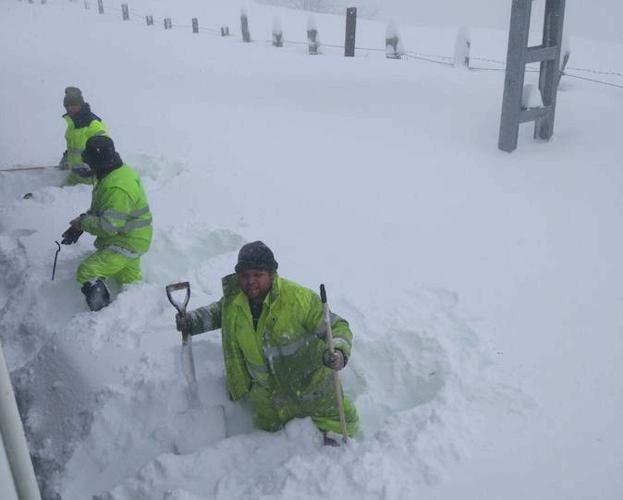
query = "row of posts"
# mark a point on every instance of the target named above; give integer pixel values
(393, 44)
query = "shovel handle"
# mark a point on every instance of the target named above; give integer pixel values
(184, 285)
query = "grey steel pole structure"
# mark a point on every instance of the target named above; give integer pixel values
(518, 55)
(550, 68)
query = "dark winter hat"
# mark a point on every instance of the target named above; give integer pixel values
(73, 97)
(256, 255)
(99, 151)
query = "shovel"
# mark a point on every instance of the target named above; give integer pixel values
(199, 425)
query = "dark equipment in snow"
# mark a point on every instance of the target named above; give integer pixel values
(55, 259)
(336, 378)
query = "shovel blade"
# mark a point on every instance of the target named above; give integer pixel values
(198, 428)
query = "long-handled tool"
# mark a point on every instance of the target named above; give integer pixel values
(25, 169)
(188, 361)
(55, 259)
(336, 377)
(199, 426)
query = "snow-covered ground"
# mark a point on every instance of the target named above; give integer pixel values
(483, 288)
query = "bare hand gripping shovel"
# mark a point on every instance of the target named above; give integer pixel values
(199, 425)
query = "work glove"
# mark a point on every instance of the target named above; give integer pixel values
(82, 170)
(63, 162)
(335, 361)
(183, 322)
(71, 236)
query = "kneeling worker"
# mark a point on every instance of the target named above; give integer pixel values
(274, 344)
(120, 219)
(82, 124)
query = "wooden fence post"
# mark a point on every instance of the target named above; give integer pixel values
(195, 25)
(244, 26)
(351, 28)
(125, 12)
(224, 30)
(100, 6)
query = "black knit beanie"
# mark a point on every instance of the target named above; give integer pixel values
(73, 97)
(256, 255)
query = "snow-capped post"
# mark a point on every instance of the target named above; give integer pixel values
(244, 26)
(125, 12)
(351, 28)
(195, 25)
(100, 6)
(462, 47)
(336, 378)
(518, 55)
(277, 33)
(393, 43)
(313, 42)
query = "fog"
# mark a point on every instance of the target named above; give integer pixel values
(598, 19)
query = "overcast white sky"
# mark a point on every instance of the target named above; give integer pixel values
(600, 19)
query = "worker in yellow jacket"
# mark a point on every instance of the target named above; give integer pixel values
(82, 124)
(275, 346)
(120, 219)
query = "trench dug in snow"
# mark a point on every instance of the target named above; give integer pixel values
(104, 397)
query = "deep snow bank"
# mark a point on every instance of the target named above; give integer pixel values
(357, 175)
(102, 391)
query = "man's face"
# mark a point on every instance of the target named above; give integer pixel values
(73, 109)
(256, 283)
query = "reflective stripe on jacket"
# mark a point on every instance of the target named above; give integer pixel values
(284, 353)
(119, 215)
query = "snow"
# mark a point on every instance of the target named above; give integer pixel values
(482, 288)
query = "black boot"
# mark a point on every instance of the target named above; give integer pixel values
(96, 294)
(328, 441)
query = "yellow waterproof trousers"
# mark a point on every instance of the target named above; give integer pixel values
(108, 264)
(271, 413)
